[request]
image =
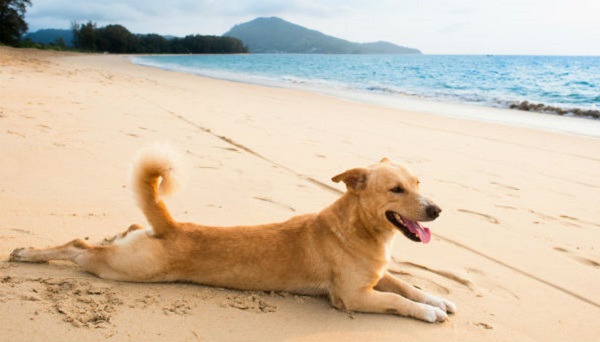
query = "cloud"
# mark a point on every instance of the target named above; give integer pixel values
(63, 12)
(129, 9)
(181, 16)
(489, 26)
(108, 11)
(267, 8)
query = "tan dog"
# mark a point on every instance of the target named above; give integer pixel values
(342, 252)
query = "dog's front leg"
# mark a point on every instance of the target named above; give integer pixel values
(389, 283)
(369, 300)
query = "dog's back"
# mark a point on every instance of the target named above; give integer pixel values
(278, 256)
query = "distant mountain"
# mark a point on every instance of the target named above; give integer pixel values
(48, 36)
(275, 35)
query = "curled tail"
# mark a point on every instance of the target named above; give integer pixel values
(154, 176)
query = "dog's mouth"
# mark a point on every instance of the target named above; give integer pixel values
(411, 229)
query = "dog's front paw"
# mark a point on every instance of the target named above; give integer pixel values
(450, 306)
(433, 314)
(444, 304)
(15, 256)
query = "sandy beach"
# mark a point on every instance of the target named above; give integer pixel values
(516, 247)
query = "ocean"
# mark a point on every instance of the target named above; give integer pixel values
(554, 85)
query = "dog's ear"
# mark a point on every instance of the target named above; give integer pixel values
(355, 179)
(385, 160)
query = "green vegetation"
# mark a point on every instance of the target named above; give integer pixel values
(117, 39)
(57, 37)
(275, 35)
(58, 45)
(12, 22)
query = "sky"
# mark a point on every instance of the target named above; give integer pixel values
(503, 27)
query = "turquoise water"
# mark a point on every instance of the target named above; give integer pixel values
(564, 85)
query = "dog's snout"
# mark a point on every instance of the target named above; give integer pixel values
(433, 211)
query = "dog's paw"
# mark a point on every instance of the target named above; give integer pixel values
(15, 256)
(450, 306)
(441, 303)
(433, 314)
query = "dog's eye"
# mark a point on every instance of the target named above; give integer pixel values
(397, 190)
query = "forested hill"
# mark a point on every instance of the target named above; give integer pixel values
(51, 36)
(275, 35)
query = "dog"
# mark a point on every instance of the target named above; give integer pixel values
(342, 252)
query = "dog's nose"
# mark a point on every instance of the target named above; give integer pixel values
(433, 211)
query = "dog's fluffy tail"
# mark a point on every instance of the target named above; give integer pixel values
(156, 174)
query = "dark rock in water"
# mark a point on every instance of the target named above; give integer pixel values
(542, 108)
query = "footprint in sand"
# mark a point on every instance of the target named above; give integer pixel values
(80, 303)
(269, 200)
(22, 231)
(147, 129)
(578, 258)
(484, 325)
(249, 301)
(508, 207)
(179, 307)
(505, 186)
(454, 183)
(130, 134)
(19, 134)
(421, 282)
(229, 149)
(488, 218)
(574, 221)
(484, 285)
(409, 272)
(541, 216)
(475, 271)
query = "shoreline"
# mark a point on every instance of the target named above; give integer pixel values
(512, 115)
(515, 247)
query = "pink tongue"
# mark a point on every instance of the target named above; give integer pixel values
(422, 232)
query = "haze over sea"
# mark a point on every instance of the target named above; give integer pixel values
(569, 86)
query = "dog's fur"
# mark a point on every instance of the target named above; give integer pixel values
(342, 252)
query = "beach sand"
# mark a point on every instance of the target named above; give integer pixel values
(516, 247)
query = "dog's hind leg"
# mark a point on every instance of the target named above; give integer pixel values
(124, 234)
(133, 256)
(93, 259)
(69, 251)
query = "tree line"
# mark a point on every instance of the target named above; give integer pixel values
(117, 39)
(110, 38)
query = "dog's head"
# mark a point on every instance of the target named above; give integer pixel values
(388, 195)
